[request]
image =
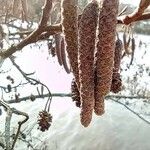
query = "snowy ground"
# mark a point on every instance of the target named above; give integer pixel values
(117, 129)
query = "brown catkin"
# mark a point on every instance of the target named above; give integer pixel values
(133, 50)
(126, 43)
(63, 55)
(70, 30)
(105, 52)
(75, 95)
(58, 47)
(116, 85)
(87, 38)
(118, 54)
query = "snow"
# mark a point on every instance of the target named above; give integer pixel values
(117, 129)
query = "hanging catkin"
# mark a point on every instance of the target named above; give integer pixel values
(118, 54)
(58, 47)
(133, 50)
(70, 30)
(87, 38)
(63, 55)
(105, 52)
(116, 79)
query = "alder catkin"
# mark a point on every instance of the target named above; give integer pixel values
(133, 50)
(58, 47)
(105, 52)
(116, 85)
(70, 30)
(87, 39)
(63, 55)
(118, 54)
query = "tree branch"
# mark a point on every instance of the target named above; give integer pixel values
(45, 13)
(33, 36)
(127, 20)
(69, 95)
(137, 13)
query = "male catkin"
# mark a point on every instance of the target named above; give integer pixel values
(105, 52)
(116, 85)
(87, 39)
(70, 30)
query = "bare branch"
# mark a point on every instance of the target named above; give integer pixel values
(46, 13)
(32, 38)
(69, 95)
(121, 19)
(20, 123)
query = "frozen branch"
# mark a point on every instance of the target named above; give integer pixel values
(10, 111)
(20, 123)
(7, 125)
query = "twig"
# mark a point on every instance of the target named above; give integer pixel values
(7, 124)
(34, 82)
(138, 115)
(45, 13)
(11, 101)
(121, 19)
(10, 111)
(7, 128)
(123, 11)
(20, 123)
(13, 87)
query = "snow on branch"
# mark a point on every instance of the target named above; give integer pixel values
(10, 111)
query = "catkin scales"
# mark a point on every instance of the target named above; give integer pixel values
(87, 38)
(70, 30)
(105, 52)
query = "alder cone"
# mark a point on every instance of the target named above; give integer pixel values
(105, 52)
(75, 95)
(87, 38)
(70, 30)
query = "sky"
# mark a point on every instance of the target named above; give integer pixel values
(133, 2)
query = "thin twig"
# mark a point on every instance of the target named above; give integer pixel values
(138, 115)
(7, 128)
(20, 123)
(7, 124)
(33, 82)
(11, 101)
